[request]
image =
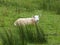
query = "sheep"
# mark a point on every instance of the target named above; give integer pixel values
(26, 21)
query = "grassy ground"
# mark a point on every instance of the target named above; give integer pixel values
(49, 22)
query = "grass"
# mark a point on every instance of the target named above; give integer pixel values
(49, 22)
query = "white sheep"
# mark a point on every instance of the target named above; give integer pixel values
(26, 21)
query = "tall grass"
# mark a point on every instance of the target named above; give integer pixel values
(8, 38)
(28, 33)
(32, 34)
(40, 34)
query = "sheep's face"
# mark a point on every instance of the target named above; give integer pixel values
(36, 17)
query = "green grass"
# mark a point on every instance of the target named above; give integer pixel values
(49, 22)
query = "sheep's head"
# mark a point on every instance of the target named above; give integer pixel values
(36, 17)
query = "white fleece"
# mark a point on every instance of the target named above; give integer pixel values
(25, 21)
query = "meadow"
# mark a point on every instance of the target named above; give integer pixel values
(11, 10)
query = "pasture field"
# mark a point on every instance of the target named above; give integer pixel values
(49, 22)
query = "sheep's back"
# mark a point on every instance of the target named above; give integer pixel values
(25, 21)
